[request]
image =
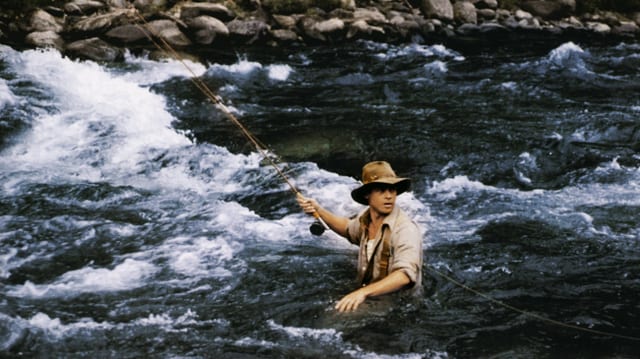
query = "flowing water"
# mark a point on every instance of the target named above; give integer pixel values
(136, 221)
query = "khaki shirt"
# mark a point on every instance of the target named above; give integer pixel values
(405, 245)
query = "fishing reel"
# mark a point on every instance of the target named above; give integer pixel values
(317, 228)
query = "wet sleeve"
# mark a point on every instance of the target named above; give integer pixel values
(407, 251)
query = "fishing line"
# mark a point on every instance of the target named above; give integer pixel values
(319, 226)
(530, 314)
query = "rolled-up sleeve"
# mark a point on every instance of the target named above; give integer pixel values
(354, 230)
(407, 251)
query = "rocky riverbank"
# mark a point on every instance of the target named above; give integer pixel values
(102, 30)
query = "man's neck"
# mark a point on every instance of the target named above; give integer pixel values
(377, 218)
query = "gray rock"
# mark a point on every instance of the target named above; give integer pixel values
(310, 30)
(118, 4)
(94, 49)
(248, 31)
(330, 26)
(42, 21)
(149, 5)
(522, 15)
(598, 27)
(206, 29)
(127, 34)
(285, 21)
(552, 9)
(486, 14)
(492, 28)
(169, 32)
(468, 29)
(361, 29)
(45, 39)
(440, 9)
(284, 35)
(626, 28)
(101, 23)
(464, 12)
(372, 16)
(485, 4)
(218, 11)
(83, 7)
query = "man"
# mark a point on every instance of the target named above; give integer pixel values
(390, 256)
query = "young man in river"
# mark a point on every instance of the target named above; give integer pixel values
(390, 256)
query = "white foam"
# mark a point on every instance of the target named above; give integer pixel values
(6, 259)
(436, 68)
(7, 97)
(279, 72)
(437, 51)
(451, 187)
(201, 256)
(325, 335)
(166, 321)
(569, 56)
(242, 67)
(55, 327)
(151, 72)
(103, 123)
(129, 274)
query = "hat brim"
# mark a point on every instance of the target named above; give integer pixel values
(402, 185)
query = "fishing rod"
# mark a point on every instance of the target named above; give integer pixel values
(319, 225)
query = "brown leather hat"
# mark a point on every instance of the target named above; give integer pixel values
(378, 172)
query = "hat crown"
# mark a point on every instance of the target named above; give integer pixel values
(374, 171)
(378, 172)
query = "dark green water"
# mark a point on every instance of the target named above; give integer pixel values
(136, 221)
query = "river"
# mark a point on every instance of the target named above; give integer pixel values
(137, 221)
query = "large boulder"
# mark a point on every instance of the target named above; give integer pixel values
(104, 22)
(83, 7)
(323, 30)
(361, 29)
(44, 39)
(41, 20)
(94, 49)
(248, 31)
(168, 31)
(193, 10)
(372, 16)
(440, 9)
(464, 12)
(206, 29)
(550, 9)
(127, 34)
(284, 36)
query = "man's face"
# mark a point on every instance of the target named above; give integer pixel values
(382, 198)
